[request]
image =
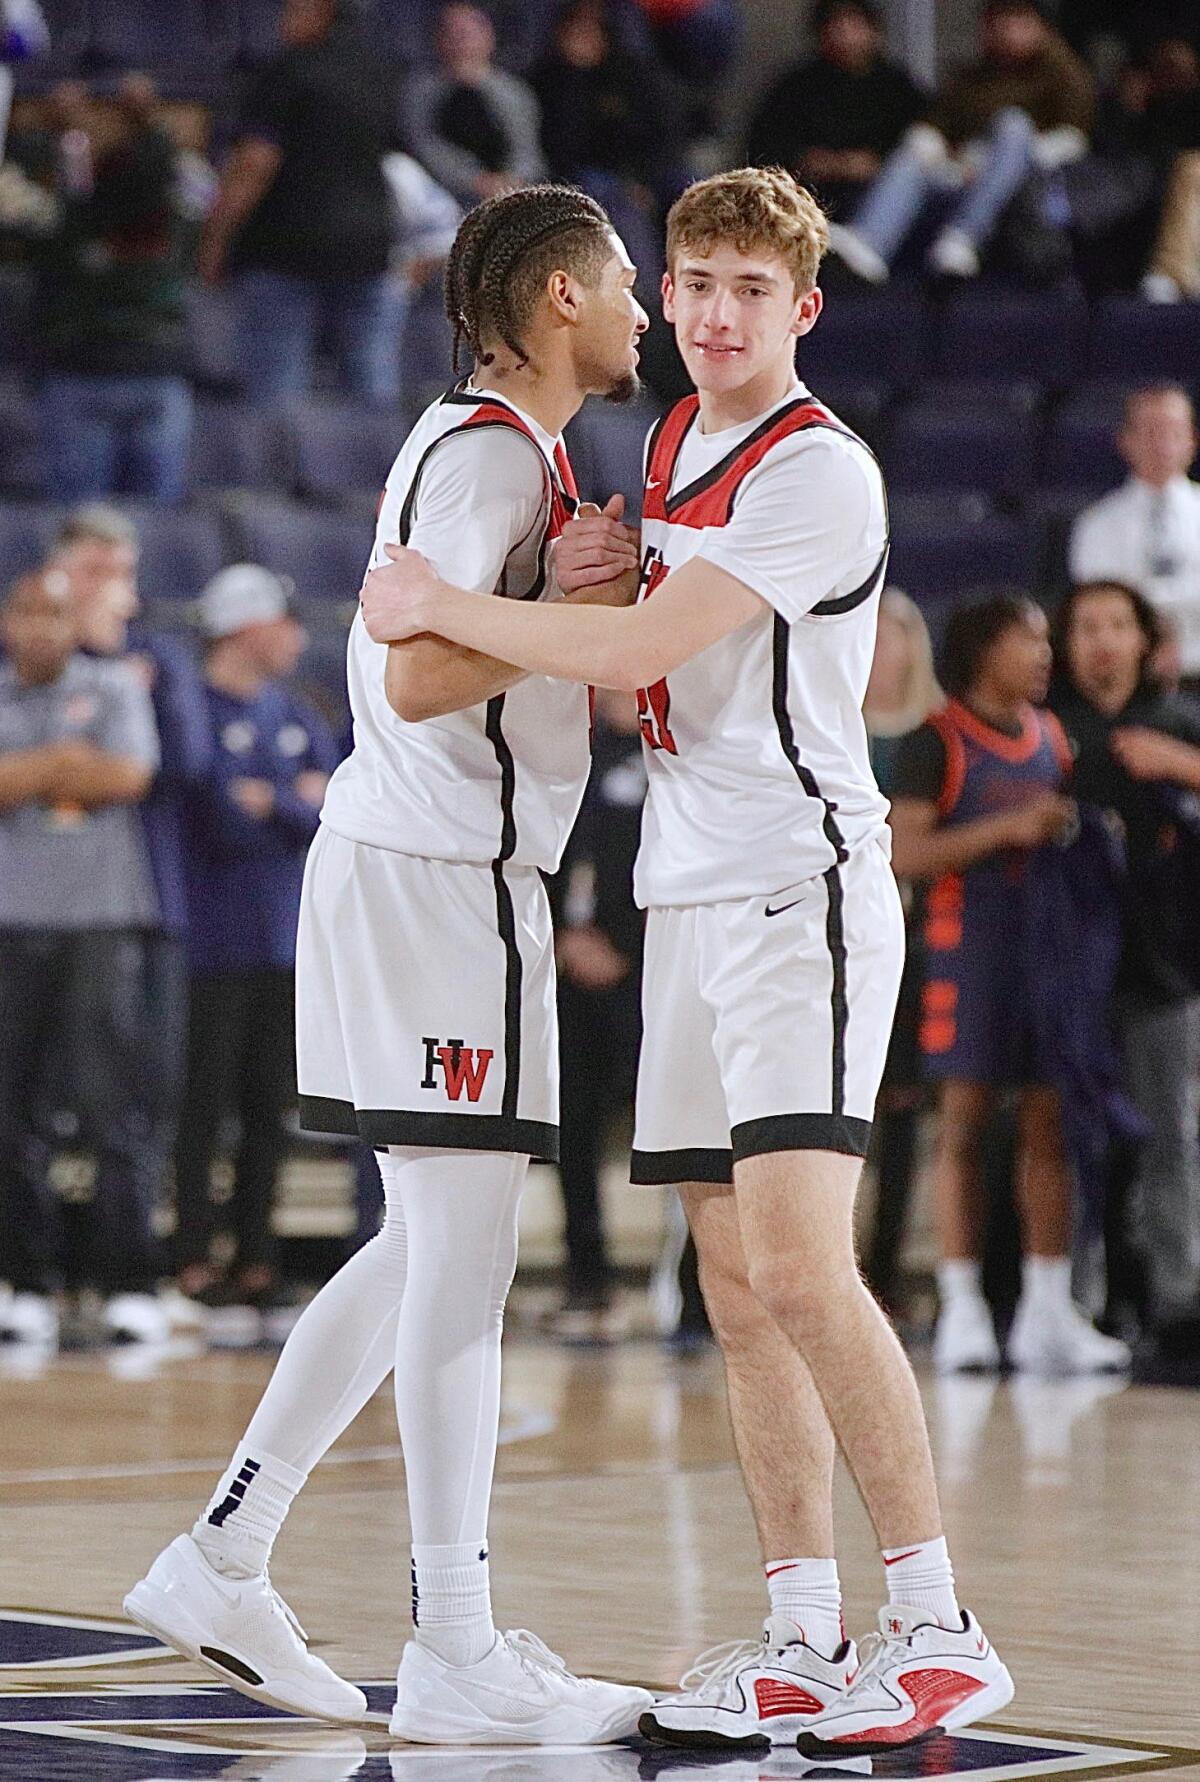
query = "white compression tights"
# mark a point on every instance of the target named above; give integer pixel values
(425, 1296)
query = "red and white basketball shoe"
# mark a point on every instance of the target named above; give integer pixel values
(916, 1679)
(750, 1695)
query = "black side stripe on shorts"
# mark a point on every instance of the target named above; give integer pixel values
(506, 920)
(846, 603)
(834, 926)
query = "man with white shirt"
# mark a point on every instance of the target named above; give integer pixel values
(1146, 534)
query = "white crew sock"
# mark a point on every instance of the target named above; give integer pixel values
(246, 1512)
(920, 1576)
(1046, 1281)
(452, 1601)
(959, 1278)
(807, 1593)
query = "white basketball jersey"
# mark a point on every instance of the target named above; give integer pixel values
(501, 781)
(756, 749)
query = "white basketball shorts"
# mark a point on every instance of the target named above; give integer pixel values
(425, 1002)
(766, 1022)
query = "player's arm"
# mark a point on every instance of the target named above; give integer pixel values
(802, 518)
(482, 496)
(923, 849)
(248, 176)
(625, 649)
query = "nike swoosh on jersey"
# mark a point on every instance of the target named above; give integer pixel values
(783, 906)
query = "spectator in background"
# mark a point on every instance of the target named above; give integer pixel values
(96, 556)
(1137, 759)
(108, 314)
(77, 753)
(1026, 103)
(249, 826)
(599, 958)
(602, 109)
(1146, 534)
(978, 804)
(1170, 135)
(834, 118)
(474, 126)
(302, 221)
(23, 36)
(901, 694)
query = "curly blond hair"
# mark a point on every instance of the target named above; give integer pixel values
(762, 208)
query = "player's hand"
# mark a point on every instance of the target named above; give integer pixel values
(1045, 819)
(588, 958)
(1149, 755)
(255, 797)
(399, 597)
(310, 786)
(595, 547)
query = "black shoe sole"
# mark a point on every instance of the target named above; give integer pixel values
(808, 1745)
(657, 1734)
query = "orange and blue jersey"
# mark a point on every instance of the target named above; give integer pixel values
(978, 1020)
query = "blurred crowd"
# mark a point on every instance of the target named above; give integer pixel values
(321, 199)
(159, 787)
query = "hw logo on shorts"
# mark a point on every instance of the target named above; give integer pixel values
(462, 1067)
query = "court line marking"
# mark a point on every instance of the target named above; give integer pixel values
(525, 1425)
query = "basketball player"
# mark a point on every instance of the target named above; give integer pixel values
(773, 956)
(425, 1006)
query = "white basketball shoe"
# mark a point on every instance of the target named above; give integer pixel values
(521, 1693)
(916, 1679)
(241, 1629)
(1059, 1338)
(750, 1694)
(964, 1338)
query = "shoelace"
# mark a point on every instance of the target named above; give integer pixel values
(534, 1654)
(288, 1613)
(718, 1665)
(874, 1651)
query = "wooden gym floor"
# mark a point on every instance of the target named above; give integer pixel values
(619, 1534)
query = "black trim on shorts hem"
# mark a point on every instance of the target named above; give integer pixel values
(654, 1169)
(843, 1133)
(380, 1127)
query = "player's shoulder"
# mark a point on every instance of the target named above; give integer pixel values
(471, 442)
(823, 456)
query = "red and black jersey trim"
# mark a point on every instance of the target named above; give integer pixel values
(710, 499)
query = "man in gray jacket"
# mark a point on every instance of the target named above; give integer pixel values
(78, 750)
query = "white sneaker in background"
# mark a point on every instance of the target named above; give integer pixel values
(241, 1629)
(521, 1693)
(858, 254)
(964, 1338)
(954, 255)
(1056, 1337)
(29, 1318)
(1157, 287)
(916, 1679)
(750, 1695)
(136, 1318)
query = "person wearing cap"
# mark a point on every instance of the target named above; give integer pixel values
(78, 750)
(1025, 104)
(248, 828)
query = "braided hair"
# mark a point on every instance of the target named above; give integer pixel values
(506, 249)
